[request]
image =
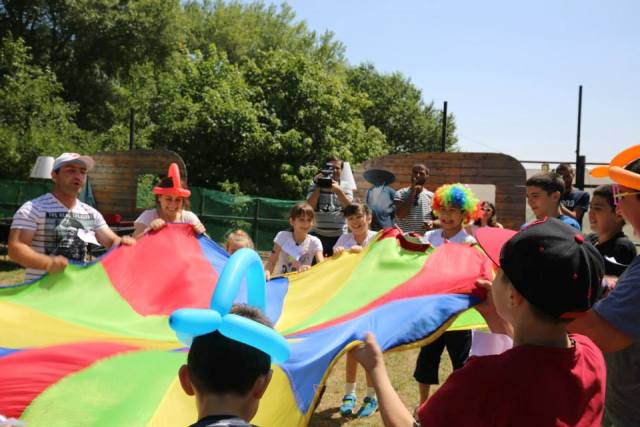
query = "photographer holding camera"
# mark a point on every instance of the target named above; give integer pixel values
(414, 203)
(328, 197)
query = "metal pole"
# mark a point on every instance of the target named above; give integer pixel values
(579, 170)
(132, 129)
(444, 128)
(579, 124)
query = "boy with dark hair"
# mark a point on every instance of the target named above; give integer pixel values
(414, 203)
(574, 202)
(616, 248)
(544, 191)
(227, 377)
(548, 275)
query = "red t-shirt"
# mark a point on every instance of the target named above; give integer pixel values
(525, 386)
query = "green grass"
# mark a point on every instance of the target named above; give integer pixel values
(400, 367)
(10, 273)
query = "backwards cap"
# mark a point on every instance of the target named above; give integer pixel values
(550, 264)
(176, 189)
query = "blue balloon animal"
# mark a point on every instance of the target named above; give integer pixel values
(191, 322)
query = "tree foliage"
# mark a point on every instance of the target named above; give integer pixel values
(250, 97)
(34, 119)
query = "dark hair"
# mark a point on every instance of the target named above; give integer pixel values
(564, 166)
(218, 364)
(635, 168)
(538, 313)
(167, 182)
(332, 159)
(606, 192)
(420, 166)
(550, 182)
(548, 318)
(356, 208)
(493, 221)
(302, 209)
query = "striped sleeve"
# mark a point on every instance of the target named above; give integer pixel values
(26, 217)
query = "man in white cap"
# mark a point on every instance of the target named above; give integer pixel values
(54, 228)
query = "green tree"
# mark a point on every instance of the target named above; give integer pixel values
(92, 45)
(397, 109)
(34, 119)
(245, 30)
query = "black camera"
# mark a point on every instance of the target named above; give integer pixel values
(326, 178)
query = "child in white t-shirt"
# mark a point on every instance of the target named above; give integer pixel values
(172, 206)
(359, 236)
(294, 250)
(454, 204)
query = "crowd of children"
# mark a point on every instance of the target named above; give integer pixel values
(549, 281)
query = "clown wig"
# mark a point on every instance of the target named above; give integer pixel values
(456, 195)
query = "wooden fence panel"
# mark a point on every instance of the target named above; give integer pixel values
(114, 179)
(504, 172)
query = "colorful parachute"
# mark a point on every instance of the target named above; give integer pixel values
(92, 346)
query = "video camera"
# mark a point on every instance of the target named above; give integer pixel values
(326, 178)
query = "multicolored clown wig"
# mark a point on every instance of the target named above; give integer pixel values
(457, 195)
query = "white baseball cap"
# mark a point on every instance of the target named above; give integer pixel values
(65, 158)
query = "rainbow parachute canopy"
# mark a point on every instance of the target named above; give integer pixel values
(92, 345)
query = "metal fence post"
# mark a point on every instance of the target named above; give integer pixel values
(256, 219)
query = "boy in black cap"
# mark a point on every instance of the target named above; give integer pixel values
(227, 377)
(548, 275)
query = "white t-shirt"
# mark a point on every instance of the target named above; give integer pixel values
(58, 229)
(186, 217)
(347, 240)
(293, 254)
(435, 238)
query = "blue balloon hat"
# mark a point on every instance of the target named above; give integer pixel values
(192, 322)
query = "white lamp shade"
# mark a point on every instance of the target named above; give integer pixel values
(42, 168)
(346, 177)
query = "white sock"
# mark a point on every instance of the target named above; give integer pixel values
(349, 388)
(371, 392)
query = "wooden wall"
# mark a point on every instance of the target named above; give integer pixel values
(114, 178)
(506, 173)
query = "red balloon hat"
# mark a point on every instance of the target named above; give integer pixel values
(616, 170)
(176, 189)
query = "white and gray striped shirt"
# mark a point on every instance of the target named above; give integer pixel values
(420, 211)
(56, 228)
(329, 219)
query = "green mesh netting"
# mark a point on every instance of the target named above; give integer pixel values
(220, 212)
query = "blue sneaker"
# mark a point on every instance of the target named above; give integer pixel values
(348, 403)
(369, 406)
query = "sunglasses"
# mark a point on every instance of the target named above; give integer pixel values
(619, 195)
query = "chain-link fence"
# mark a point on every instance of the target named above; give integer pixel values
(220, 212)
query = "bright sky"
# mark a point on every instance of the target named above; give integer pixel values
(510, 70)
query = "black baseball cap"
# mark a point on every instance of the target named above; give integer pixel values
(550, 263)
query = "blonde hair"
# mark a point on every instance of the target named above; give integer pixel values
(238, 236)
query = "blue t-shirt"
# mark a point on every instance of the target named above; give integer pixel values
(574, 199)
(621, 308)
(380, 200)
(570, 221)
(564, 218)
